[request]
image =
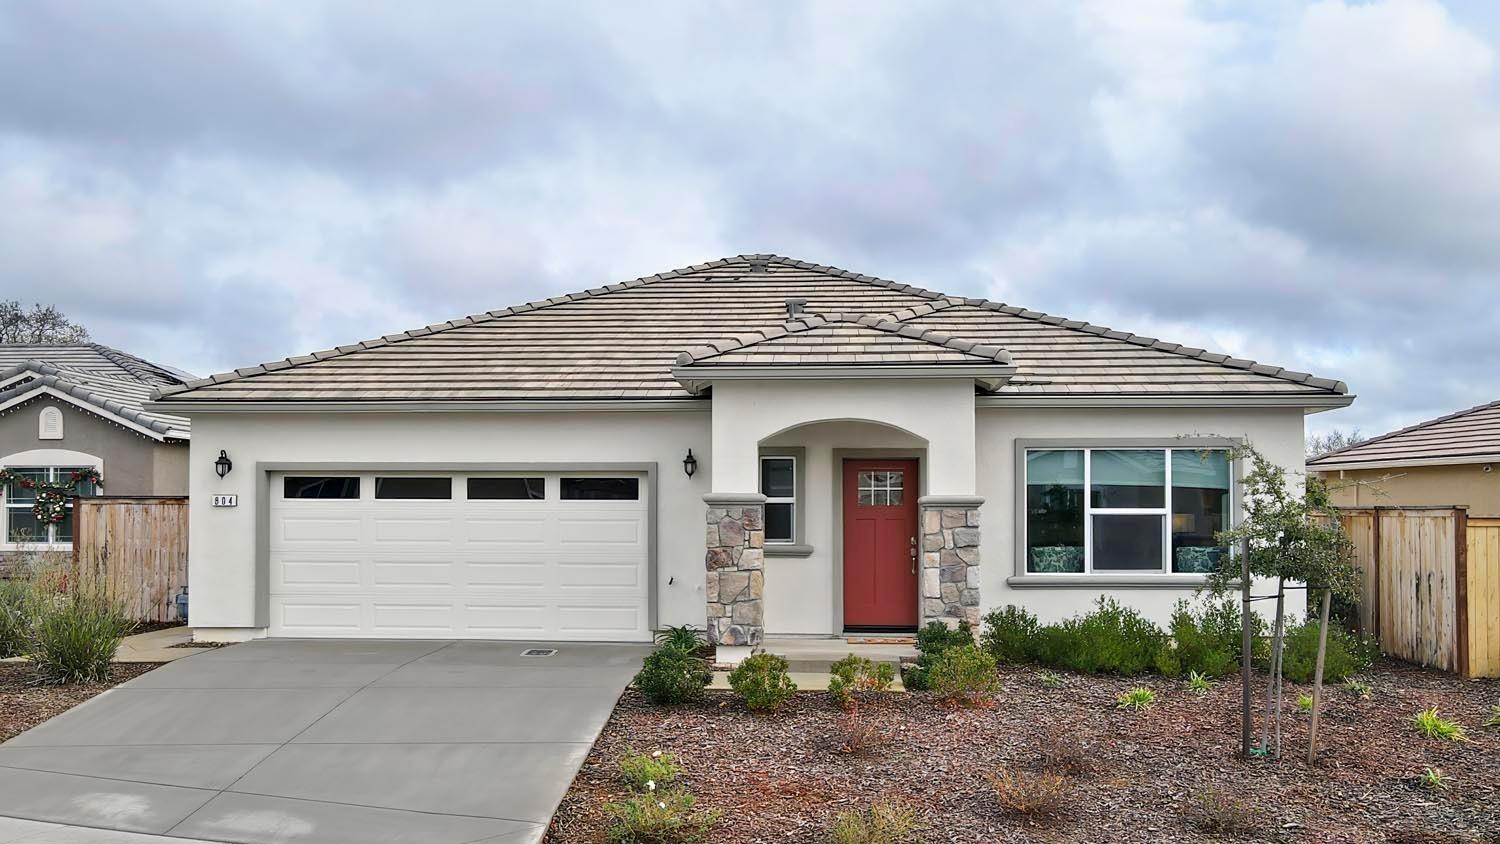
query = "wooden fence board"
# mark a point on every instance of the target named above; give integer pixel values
(1484, 597)
(136, 545)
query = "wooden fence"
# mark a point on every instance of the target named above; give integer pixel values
(138, 546)
(1431, 585)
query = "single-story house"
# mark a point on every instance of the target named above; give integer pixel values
(1444, 462)
(764, 445)
(69, 407)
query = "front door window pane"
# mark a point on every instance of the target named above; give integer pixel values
(1127, 542)
(882, 488)
(1128, 478)
(1054, 511)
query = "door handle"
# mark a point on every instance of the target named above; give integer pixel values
(913, 555)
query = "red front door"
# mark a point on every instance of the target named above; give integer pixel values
(880, 544)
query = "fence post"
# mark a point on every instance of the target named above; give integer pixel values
(1461, 589)
(1375, 564)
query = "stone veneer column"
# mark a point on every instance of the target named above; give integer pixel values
(950, 559)
(735, 585)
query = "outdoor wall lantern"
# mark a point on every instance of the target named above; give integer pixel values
(223, 464)
(690, 463)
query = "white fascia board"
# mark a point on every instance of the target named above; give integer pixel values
(696, 378)
(1463, 460)
(94, 409)
(1317, 402)
(184, 408)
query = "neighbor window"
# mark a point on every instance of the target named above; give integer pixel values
(1125, 510)
(600, 489)
(507, 489)
(778, 483)
(21, 524)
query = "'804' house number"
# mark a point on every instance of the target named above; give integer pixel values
(226, 501)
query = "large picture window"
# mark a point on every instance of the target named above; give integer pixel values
(21, 524)
(1125, 510)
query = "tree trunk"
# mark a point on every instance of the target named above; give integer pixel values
(1273, 686)
(1247, 720)
(1312, 731)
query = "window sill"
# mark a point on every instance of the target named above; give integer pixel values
(1138, 581)
(787, 549)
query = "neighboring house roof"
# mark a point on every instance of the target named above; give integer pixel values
(1468, 436)
(95, 378)
(622, 342)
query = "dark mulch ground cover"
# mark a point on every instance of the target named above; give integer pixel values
(24, 703)
(779, 777)
(153, 626)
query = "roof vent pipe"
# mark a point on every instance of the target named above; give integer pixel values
(794, 307)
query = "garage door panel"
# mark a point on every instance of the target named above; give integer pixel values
(498, 569)
(418, 573)
(320, 530)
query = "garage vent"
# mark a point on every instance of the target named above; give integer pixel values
(539, 652)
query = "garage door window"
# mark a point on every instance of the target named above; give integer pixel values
(410, 489)
(507, 489)
(601, 489)
(320, 487)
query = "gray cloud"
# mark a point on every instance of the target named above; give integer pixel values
(1310, 184)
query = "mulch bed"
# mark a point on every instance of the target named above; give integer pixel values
(778, 777)
(153, 626)
(24, 703)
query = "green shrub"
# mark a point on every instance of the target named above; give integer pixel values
(1431, 725)
(1304, 704)
(1207, 642)
(74, 635)
(932, 640)
(15, 617)
(762, 682)
(1110, 639)
(663, 817)
(1434, 780)
(1051, 679)
(1359, 688)
(1010, 635)
(881, 823)
(648, 771)
(858, 674)
(1346, 656)
(1137, 699)
(684, 637)
(1494, 719)
(1199, 684)
(670, 675)
(964, 675)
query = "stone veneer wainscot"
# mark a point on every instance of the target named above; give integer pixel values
(735, 559)
(950, 561)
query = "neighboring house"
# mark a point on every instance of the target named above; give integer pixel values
(846, 453)
(71, 407)
(1443, 462)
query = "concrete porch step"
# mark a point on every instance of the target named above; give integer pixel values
(816, 656)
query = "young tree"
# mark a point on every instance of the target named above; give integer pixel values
(42, 325)
(1288, 534)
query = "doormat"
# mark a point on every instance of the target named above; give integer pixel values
(881, 640)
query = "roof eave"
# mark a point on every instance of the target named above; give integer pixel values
(698, 377)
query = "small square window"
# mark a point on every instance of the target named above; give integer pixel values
(507, 489)
(414, 489)
(319, 487)
(601, 489)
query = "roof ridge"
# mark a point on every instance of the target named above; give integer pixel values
(878, 322)
(487, 316)
(1408, 429)
(138, 366)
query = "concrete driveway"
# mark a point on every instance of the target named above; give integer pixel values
(326, 741)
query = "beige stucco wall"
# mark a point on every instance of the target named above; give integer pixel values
(1462, 484)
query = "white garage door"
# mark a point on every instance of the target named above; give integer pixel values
(444, 555)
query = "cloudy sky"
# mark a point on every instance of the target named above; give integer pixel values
(1315, 185)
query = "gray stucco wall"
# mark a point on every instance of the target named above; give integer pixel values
(133, 464)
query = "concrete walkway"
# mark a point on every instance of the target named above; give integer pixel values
(334, 741)
(17, 831)
(157, 646)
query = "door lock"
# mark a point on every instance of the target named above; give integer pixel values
(913, 555)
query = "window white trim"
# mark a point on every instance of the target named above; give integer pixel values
(1023, 569)
(791, 499)
(43, 458)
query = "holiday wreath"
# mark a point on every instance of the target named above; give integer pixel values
(51, 496)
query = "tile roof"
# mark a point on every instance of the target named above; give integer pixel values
(843, 339)
(99, 377)
(622, 341)
(1472, 434)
